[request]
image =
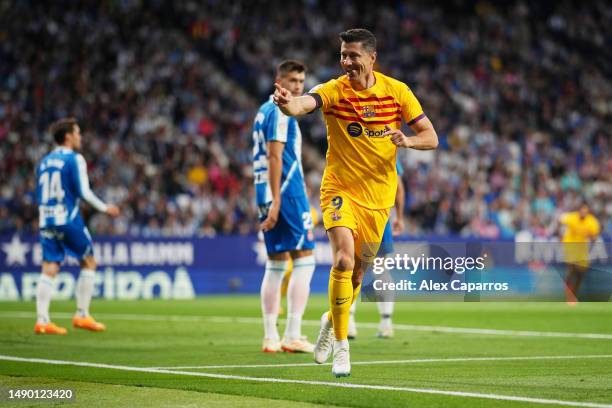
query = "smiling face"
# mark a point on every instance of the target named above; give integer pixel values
(357, 62)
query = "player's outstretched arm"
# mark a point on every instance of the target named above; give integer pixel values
(87, 194)
(293, 105)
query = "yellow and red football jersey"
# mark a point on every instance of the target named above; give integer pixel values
(360, 160)
(579, 229)
(578, 233)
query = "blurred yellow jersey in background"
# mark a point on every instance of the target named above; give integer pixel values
(579, 232)
(579, 229)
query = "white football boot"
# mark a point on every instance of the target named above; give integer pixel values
(325, 341)
(385, 329)
(271, 346)
(301, 345)
(341, 366)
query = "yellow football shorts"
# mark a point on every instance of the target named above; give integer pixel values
(368, 225)
(576, 254)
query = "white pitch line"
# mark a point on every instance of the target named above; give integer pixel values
(305, 382)
(316, 323)
(379, 362)
(111, 316)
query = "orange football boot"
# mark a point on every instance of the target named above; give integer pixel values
(87, 323)
(49, 328)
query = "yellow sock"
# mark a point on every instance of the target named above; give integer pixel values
(340, 300)
(356, 293)
(286, 277)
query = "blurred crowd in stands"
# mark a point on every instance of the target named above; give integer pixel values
(520, 94)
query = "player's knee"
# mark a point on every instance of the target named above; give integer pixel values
(343, 260)
(301, 253)
(88, 263)
(50, 269)
(281, 256)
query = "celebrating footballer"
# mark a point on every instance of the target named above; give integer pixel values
(363, 111)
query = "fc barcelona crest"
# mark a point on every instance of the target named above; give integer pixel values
(368, 112)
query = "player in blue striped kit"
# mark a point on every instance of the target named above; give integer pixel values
(284, 213)
(62, 181)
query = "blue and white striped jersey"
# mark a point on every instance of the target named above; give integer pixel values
(61, 181)
(273, 125)
(399, 168)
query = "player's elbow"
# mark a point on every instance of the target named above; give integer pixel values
(433, 140)
(275, 157)
(86, 195)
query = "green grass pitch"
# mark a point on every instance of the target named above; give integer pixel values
(225, 332)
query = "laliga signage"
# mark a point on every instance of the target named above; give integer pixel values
(117, 253)
(109, 284)
(139, 269)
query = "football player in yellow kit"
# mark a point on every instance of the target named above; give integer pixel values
(581, 228)
(363, 111)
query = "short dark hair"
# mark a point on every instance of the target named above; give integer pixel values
(60, 128)
(290, 65)
(365, 37)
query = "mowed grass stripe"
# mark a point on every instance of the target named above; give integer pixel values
(314, 383)
(380, 362)
(256, 320)
(102, 395)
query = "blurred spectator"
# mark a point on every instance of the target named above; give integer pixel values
(165, 92)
